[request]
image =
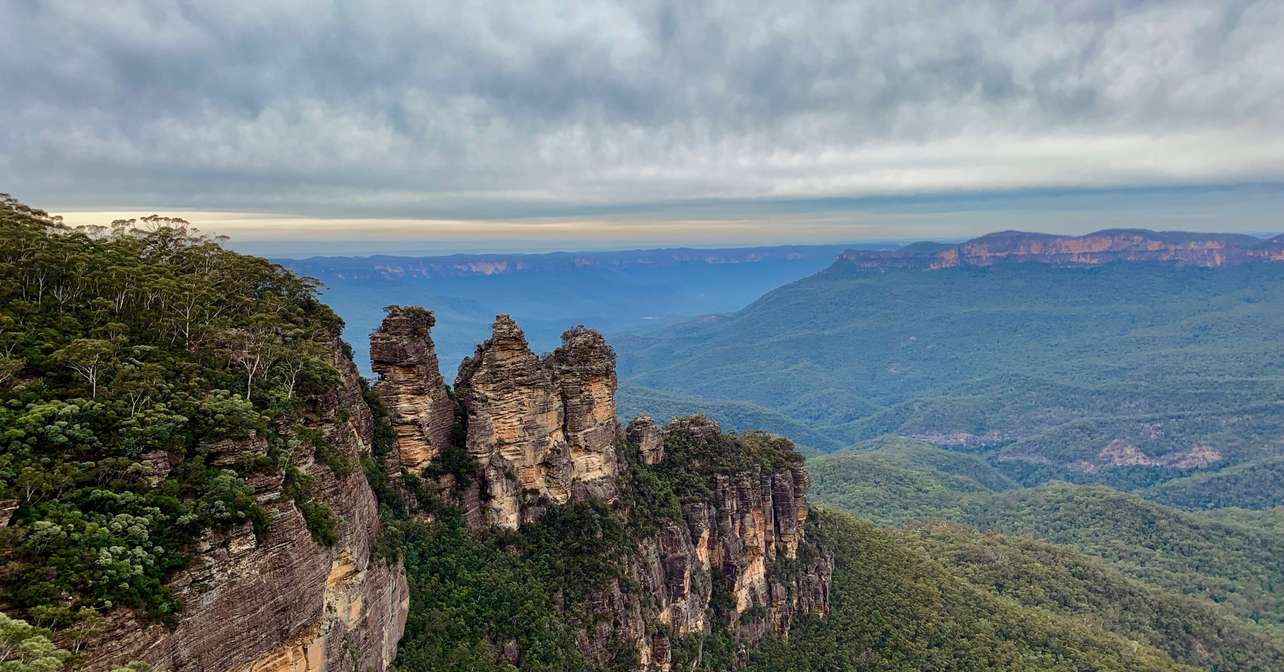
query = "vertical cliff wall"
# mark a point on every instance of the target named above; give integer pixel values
(285, 603)
(542, 430)
(727, 559)
(734, 562)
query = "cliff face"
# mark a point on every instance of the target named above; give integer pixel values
(730, 559)
(734, 563)
(286, 603)
(645, 436)
(1137, 245)
(543, 431)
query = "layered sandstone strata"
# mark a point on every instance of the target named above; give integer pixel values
(543, 431)
(1114, 245)
(283, 603)
(410, 385)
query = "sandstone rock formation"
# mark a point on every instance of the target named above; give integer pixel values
(1112, 245)
(410, 385)
(643, 434)
(1122, 453)
(583, 368)
(285, 603)
(7, 509)
(543, 432)
(732, 543)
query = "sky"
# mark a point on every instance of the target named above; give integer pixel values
(361, 127)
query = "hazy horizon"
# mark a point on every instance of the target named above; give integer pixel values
(1250, 209)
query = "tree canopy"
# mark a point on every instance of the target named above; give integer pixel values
(125, 351)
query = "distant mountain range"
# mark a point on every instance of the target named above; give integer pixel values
(390, 267)
(610, 291)
(1122, 357)
(1189, 249)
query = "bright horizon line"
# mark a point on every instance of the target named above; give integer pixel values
(1250, 208)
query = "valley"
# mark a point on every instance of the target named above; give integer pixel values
(645, 336)
(1020, 467)
(1129, 373)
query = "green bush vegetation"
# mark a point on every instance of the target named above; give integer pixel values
(1253, 485)
(475, 595)
(893, 480)
(1231, 565)
(1201, 583)
(895, 607)
(24, 648)
(126, 352)
(692, 463)
(325, 452)
(1062, 580)
(1268, 520)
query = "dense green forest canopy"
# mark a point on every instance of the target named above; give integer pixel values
(126, 349)
(895, 606)
(1204, 583)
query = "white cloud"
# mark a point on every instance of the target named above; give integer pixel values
(503, 110)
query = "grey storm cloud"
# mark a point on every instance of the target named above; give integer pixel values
(503, 108)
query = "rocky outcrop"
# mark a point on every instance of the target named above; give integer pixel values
(286, 602)
(7, 509)
(730, 557)
(1122, 453)
(645, 436)
(734, 561)
(542, 430)
(410, 385)
(1113, 245)
(583, 368)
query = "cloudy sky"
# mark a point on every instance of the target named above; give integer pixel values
(364, 126)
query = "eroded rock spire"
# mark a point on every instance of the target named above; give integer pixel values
(410, 385)
(584, 371)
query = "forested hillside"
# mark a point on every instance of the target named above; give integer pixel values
(119, 346)
(167, 409)
(1127, 373)
(1202, 586)
(898, 607)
